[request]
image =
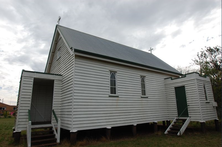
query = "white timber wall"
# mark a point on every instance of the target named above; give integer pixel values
(208, 111)
(24, 103)
(93, 108)
(25, 96)
(198, 109)
(64, 66)
(57, 99)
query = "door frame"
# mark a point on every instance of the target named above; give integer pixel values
(183, 99)
(50, 83)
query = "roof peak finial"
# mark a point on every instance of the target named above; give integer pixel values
(58, 21)
(151, 49)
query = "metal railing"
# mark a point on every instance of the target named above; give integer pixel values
(186, 108)
(57, 133)
(166, 132)
(28, 131)
(29, 128)
(183, 128)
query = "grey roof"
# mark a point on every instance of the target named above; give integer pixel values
(98, 46)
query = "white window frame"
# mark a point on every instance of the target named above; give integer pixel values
(112, 94)
(205, 92)
(143, 95)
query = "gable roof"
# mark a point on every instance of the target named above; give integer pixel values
(92, 45)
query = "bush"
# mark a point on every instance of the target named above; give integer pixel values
(5, 114)
(9, 116)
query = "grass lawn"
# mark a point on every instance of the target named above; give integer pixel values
(192, 138)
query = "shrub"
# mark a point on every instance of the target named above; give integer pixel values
(5, 114)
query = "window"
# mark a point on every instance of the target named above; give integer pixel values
(205, 92)
(2, 108)
(112, 82)
(143, 87)
(58, 54)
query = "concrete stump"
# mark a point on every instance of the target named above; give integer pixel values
(203, 127)
(17, 136)
(168, 123)
(73, 136)
(108, 133)
(216, 125)
(155, 127)
(134, 130)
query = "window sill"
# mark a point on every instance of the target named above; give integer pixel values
(113, 95)
(144, 96)
(207, 102)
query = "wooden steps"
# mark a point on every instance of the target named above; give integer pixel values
(178, 126)
(43, 137)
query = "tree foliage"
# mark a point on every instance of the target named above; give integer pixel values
(209, 61)
(186, 69)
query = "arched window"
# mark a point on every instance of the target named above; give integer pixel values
(112, 82)
(205, 92)
(143, 87)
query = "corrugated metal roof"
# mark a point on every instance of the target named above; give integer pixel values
(95, 45)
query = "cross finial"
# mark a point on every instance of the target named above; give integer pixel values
(151, 49)
(59, 20)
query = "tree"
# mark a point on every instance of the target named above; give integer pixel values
(186, 69)
(209, 61)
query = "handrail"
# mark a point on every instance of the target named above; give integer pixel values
(166, 132)
(29, 134)
(29, 115)
(55, 115)
(183, 128)
(183, 111)
(57, 134)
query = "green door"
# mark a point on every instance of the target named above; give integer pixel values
(181, 99)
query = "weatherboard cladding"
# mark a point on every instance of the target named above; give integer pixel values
(198, 109)
(93, 45)
(65, 66)
(25, 95)
(94, 108)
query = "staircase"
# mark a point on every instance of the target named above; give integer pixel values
(178, 126)
(43, 136)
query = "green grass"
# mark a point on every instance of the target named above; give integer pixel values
(191, 138)
(6, 125)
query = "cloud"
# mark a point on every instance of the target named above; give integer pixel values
(28, 28)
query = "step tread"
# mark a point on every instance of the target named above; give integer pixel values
(43, 140)
(43, 135)
(47, 144)
(42, 128)
(42, 131)
(173, 131)
(173, 128)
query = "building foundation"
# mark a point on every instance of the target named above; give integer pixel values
(134, 130)
(203, 127)
(216, 125)
(168, 123)
(155, 127)
(108, 132)
(73, 137)
(17, 136)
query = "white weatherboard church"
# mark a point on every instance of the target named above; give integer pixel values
(92, 83)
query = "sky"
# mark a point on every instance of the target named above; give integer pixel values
(175, 29)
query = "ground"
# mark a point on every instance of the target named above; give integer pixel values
(123, 137)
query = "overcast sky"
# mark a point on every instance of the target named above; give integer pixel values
(176, 29)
